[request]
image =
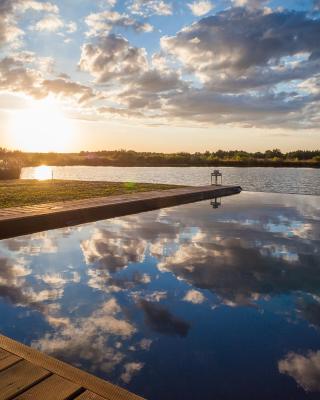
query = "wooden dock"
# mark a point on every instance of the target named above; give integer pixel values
(30, 219)
(27, 374)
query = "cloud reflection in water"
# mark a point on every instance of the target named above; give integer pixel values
(111, 296)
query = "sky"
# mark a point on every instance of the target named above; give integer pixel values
(159, 75)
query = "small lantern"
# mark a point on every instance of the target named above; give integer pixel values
(216, 174)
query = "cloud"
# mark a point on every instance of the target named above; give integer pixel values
(110, 3)
(15, 288)
(10, 11)
(89, 338)
(9, 31)
(112, 58)
(71, 27)
(304, 369)
(150, 7)
(68, 89)
(160, 320)
(316, 4)
(248, 110)
(234, 43)
(102, 23)
(38, 6)
(200, 7)
(50, 23)
(238, 59)
(194, 296)
(238, 271)
(18, 75)
(131, 369)
(250, 3)
(247, 54)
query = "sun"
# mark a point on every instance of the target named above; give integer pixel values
(42, 127)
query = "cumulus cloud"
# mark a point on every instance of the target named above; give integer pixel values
(50, 23)
(10, 12)
(90, 337)
(194, 296)
(150, 7)
(131, 369)
(70, 89)
(200, 7)
(239, 51)
(17, 74)
(9, 30)
(38, 6)
(102, 23)
(240, 57)
(305, 369)
(112, 58)
(236, 41)
(238, 271)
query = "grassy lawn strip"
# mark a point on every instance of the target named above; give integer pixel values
(29, 192)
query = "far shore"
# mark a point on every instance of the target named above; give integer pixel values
(240, 164)
(128, 158)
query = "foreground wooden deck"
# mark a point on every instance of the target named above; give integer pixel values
(26, 374)
(30, 219)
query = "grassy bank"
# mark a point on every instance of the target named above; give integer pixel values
(29, 192)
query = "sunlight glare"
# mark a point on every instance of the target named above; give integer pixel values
(42, 173)
(42, 127)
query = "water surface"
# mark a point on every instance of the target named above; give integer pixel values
(189, 302)
(277, 180)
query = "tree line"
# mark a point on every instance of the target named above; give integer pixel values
(275, 157)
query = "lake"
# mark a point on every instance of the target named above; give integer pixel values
(277, 180)
(216, 299)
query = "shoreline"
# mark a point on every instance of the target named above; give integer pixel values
(215, 165)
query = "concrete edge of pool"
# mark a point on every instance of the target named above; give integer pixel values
(26, 373)
(31, 219)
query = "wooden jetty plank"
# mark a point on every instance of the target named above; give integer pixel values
(19, 377)
(29, 219)
(89, 396)
(7, 359)
(52, 388)
(105, 389)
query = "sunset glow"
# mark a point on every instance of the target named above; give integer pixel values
(159, 75)
(42, 127)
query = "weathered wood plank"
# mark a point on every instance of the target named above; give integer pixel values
(19, 377)
(89, 396)
(7, 359)
(52, 388)
(96, 385)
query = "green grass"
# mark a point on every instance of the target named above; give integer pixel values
(29, 192)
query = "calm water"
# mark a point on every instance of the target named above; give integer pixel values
(277, 180)
(189, 302)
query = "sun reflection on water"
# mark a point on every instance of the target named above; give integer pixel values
(43, 173)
